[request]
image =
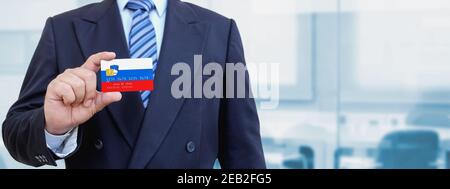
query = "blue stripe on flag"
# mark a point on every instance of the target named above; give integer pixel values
(128, 75)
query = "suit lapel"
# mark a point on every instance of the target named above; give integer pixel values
(101, 30)
(184, 37)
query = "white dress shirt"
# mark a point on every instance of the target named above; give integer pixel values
(63, 145)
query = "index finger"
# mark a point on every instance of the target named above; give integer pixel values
(93, 62)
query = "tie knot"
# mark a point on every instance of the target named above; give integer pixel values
(145, 5)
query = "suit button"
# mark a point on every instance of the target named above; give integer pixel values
(98, 144)
(190, 147)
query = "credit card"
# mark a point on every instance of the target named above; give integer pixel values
(127, 75)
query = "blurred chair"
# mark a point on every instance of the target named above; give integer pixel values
(304, 160)
(408, 150)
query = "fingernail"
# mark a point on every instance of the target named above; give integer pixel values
(88, 103)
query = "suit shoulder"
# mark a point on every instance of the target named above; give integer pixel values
(207, 15)
(75, 13)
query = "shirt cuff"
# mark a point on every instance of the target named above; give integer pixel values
(62, 145)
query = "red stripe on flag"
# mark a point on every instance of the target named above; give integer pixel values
(127, 86)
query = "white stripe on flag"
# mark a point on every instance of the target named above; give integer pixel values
(128, 64)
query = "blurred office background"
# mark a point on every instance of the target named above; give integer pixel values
(364, 83)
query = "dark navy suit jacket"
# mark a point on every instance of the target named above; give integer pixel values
(171, 133)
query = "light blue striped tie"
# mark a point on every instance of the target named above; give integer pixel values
(142, 38)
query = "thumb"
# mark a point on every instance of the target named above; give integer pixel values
(104, 99)
(93, 62)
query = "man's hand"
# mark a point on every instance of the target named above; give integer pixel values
(72, 97)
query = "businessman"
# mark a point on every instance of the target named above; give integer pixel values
(60, 112)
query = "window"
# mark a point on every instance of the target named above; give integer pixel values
(395, 81)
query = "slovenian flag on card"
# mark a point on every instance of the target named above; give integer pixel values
(127, 75)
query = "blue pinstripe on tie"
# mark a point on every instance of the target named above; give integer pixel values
(142, 38)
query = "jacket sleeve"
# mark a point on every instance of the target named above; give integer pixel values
(23, 128)
(239, 133)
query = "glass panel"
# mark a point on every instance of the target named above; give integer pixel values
(394, 96)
